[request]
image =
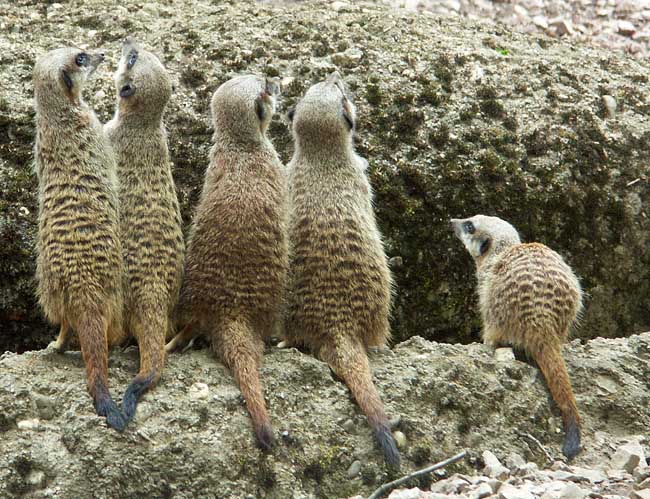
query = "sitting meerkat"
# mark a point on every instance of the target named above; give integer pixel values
(237, 255)
(79, 255)
(150, 218)
(529, 298)
(340, 286)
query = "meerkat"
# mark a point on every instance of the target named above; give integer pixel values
(237, 258)
(79, 262)
(150, 218)
(529, 298)
(340, 286)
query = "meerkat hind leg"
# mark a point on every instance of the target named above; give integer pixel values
(182, 339)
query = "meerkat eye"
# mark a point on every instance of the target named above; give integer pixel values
(133, 57)
(469, 227)
(81, 59)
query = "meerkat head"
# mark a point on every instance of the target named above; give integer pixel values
(325, 116)
(59, 76)
(484, 236)
(143, 84)
(243, 107)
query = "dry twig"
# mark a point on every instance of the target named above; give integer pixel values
(391, 485)
(539, 444)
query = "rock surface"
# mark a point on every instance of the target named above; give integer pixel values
(192, 437)
(455, 117)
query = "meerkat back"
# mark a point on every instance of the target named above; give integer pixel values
(79, 267)
(529, 299)
(150, 219)
(340, 285)
(237, 251)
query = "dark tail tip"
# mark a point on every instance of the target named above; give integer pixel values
(265, 437)
(571, 445)
(105, 406)
(388, 446)
(132, 395)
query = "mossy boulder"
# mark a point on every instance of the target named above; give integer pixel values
(455, 118)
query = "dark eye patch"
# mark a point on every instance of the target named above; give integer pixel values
(259, 110)
(469, 227)
(346, 113)
(291, 113)
(133, 57)
(127, 90)
(81, 59)
(485, 245)
(66, 79)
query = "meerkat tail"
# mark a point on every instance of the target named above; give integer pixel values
(349, 361)
(149, 329)
(92, 331)
(550, 361)
(241, 351)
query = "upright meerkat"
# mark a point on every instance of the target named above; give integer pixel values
(340, 286)
(150, 219)
(79, 262)
(529, 298)
(237, 257)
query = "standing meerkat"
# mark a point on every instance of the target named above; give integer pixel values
(79, 262)
(340, 286)
(237, 257)
(150, 219)
(529, 298)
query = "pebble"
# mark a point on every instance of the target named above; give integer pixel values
(354, 469)
(610, 105)
(484, 490)
(572, 491)
(493, 467)
(199, 391)
(641, 494)
(348, 425)
(511, 492)
(100, 94)
(395, 262)
(515, 461)
(46, 406)
(626, 28)
(562, 26)
(505, 354)
(29, 424)
(349, 58)
(627, 457)
(36, 478)
(400, 439)
(341, 7)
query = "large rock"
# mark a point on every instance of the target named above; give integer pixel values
(192, 437)
(455, 118)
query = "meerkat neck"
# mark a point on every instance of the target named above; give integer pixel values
(138, 120)
(326, 152)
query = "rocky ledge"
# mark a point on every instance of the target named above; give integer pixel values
(192, 437)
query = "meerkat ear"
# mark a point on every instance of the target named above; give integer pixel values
(66, 79)
(348, 114)
(273, 86)
(291, 112)
(259, 106)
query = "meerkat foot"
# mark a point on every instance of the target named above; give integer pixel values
(182, 340)
(60, 345)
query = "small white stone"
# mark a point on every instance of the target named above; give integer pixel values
(493, 467)
(199, 391)
(504, 354)
(572, 491)
(400, 439)
(540, 22)
(626, 28)
(354, 469)
(627, 457)
(562, 26)
(511, 492)
(414, 493)
(484, 490)
(100, 94)
(349, 58)
(641, 494)
(36, 478)
(341, 6)
(29, 424)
